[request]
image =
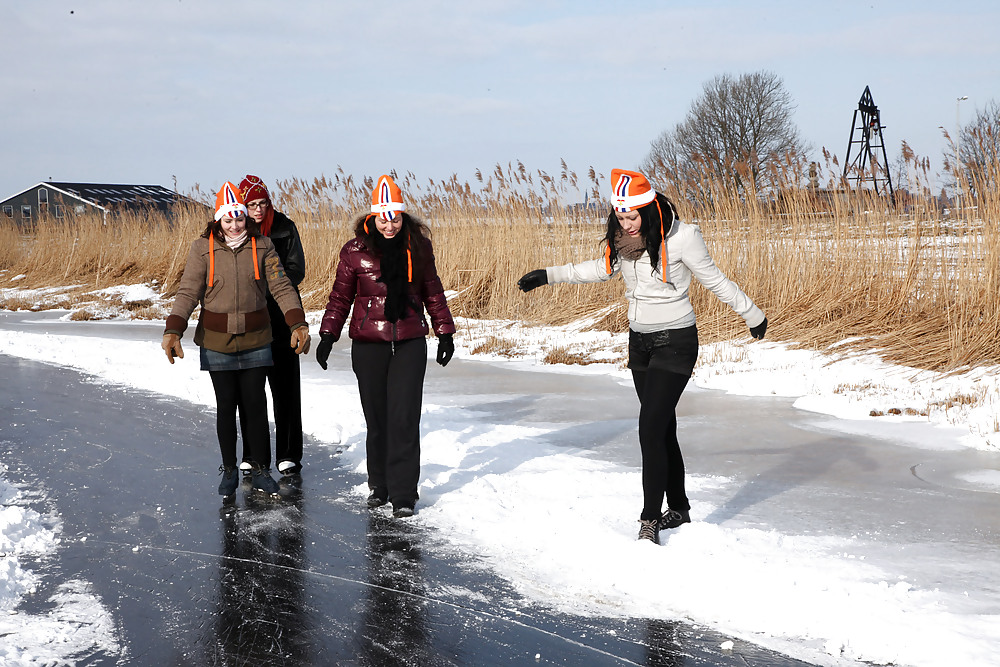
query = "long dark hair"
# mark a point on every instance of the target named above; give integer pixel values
(414, 231)
(214, 228)
(649, 228)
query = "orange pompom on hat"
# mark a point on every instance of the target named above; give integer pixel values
(631, 190)
(229, 202)
(387, 199)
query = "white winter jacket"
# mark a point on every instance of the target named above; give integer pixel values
(654, 305)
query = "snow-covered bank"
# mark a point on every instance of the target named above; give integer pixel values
(561, 526)
(847, 386)
(78, 620)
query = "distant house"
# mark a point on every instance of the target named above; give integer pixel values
(57, 200)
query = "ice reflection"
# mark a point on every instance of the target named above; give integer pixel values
(394, 628)
(261, 617)
(663, 647)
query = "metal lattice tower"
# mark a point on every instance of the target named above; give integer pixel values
(870, 163)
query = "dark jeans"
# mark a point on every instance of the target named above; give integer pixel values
(391, 385)
(242, 390)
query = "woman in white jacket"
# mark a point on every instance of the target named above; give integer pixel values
(656, 254)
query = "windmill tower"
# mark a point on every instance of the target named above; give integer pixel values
(869, 163)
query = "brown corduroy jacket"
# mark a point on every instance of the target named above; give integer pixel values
(234, 308)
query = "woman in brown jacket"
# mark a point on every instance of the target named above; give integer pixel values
(387, 274)
(229, 271)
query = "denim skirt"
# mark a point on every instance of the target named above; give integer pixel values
(237, 361)
(672, 350)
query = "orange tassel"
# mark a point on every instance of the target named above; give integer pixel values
(211, 259)
(256, 271)
(663, 244)
(607, 259)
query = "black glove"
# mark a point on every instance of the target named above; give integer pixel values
(758, 331)
(446, 348)
(326, 341)
(533, 279)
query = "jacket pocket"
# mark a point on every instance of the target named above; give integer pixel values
(364, 319)
(218, 283)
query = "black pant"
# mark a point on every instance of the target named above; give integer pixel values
(286, 397)
(662, 463)
(391, 385)
(242, 390)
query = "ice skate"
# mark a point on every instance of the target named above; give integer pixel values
(377, 498)
(230, 480)
(402, 511)
(263, 483)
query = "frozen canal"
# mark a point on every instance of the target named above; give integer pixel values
(318, 579)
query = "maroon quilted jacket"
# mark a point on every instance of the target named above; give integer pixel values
(356, 283)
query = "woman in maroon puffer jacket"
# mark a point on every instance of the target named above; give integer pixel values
(387, 274)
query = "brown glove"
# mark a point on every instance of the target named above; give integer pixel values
(301, 340)
(172, 346)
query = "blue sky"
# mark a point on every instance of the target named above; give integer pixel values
(143, 92)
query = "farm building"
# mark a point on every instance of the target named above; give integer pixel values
(58, 199)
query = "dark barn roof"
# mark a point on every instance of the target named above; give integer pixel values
(106, 197)
(116, 195)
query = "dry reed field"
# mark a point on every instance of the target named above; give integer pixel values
(914, 283)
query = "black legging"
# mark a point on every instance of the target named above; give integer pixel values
(243, 390)
(662, 463)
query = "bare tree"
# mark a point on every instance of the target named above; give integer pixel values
(738, 132)
(979, 150)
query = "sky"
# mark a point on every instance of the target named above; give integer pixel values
(837, 594)
(181, 93)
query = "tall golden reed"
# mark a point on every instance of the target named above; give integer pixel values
(912, 282)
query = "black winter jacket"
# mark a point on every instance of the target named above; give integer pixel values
(285, 237)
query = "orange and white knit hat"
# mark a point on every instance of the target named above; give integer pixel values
(229, 202)
(387, 199)
(631, 190)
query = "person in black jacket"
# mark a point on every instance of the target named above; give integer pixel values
(283, 376)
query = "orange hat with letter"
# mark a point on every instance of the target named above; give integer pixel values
(632, 190)
(229, 202)
(387, 199)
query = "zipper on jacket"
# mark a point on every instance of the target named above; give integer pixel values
(236, 287)
(368, 307)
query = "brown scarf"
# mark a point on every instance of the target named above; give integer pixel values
(629, 247)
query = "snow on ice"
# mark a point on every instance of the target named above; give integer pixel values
(576, 549)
